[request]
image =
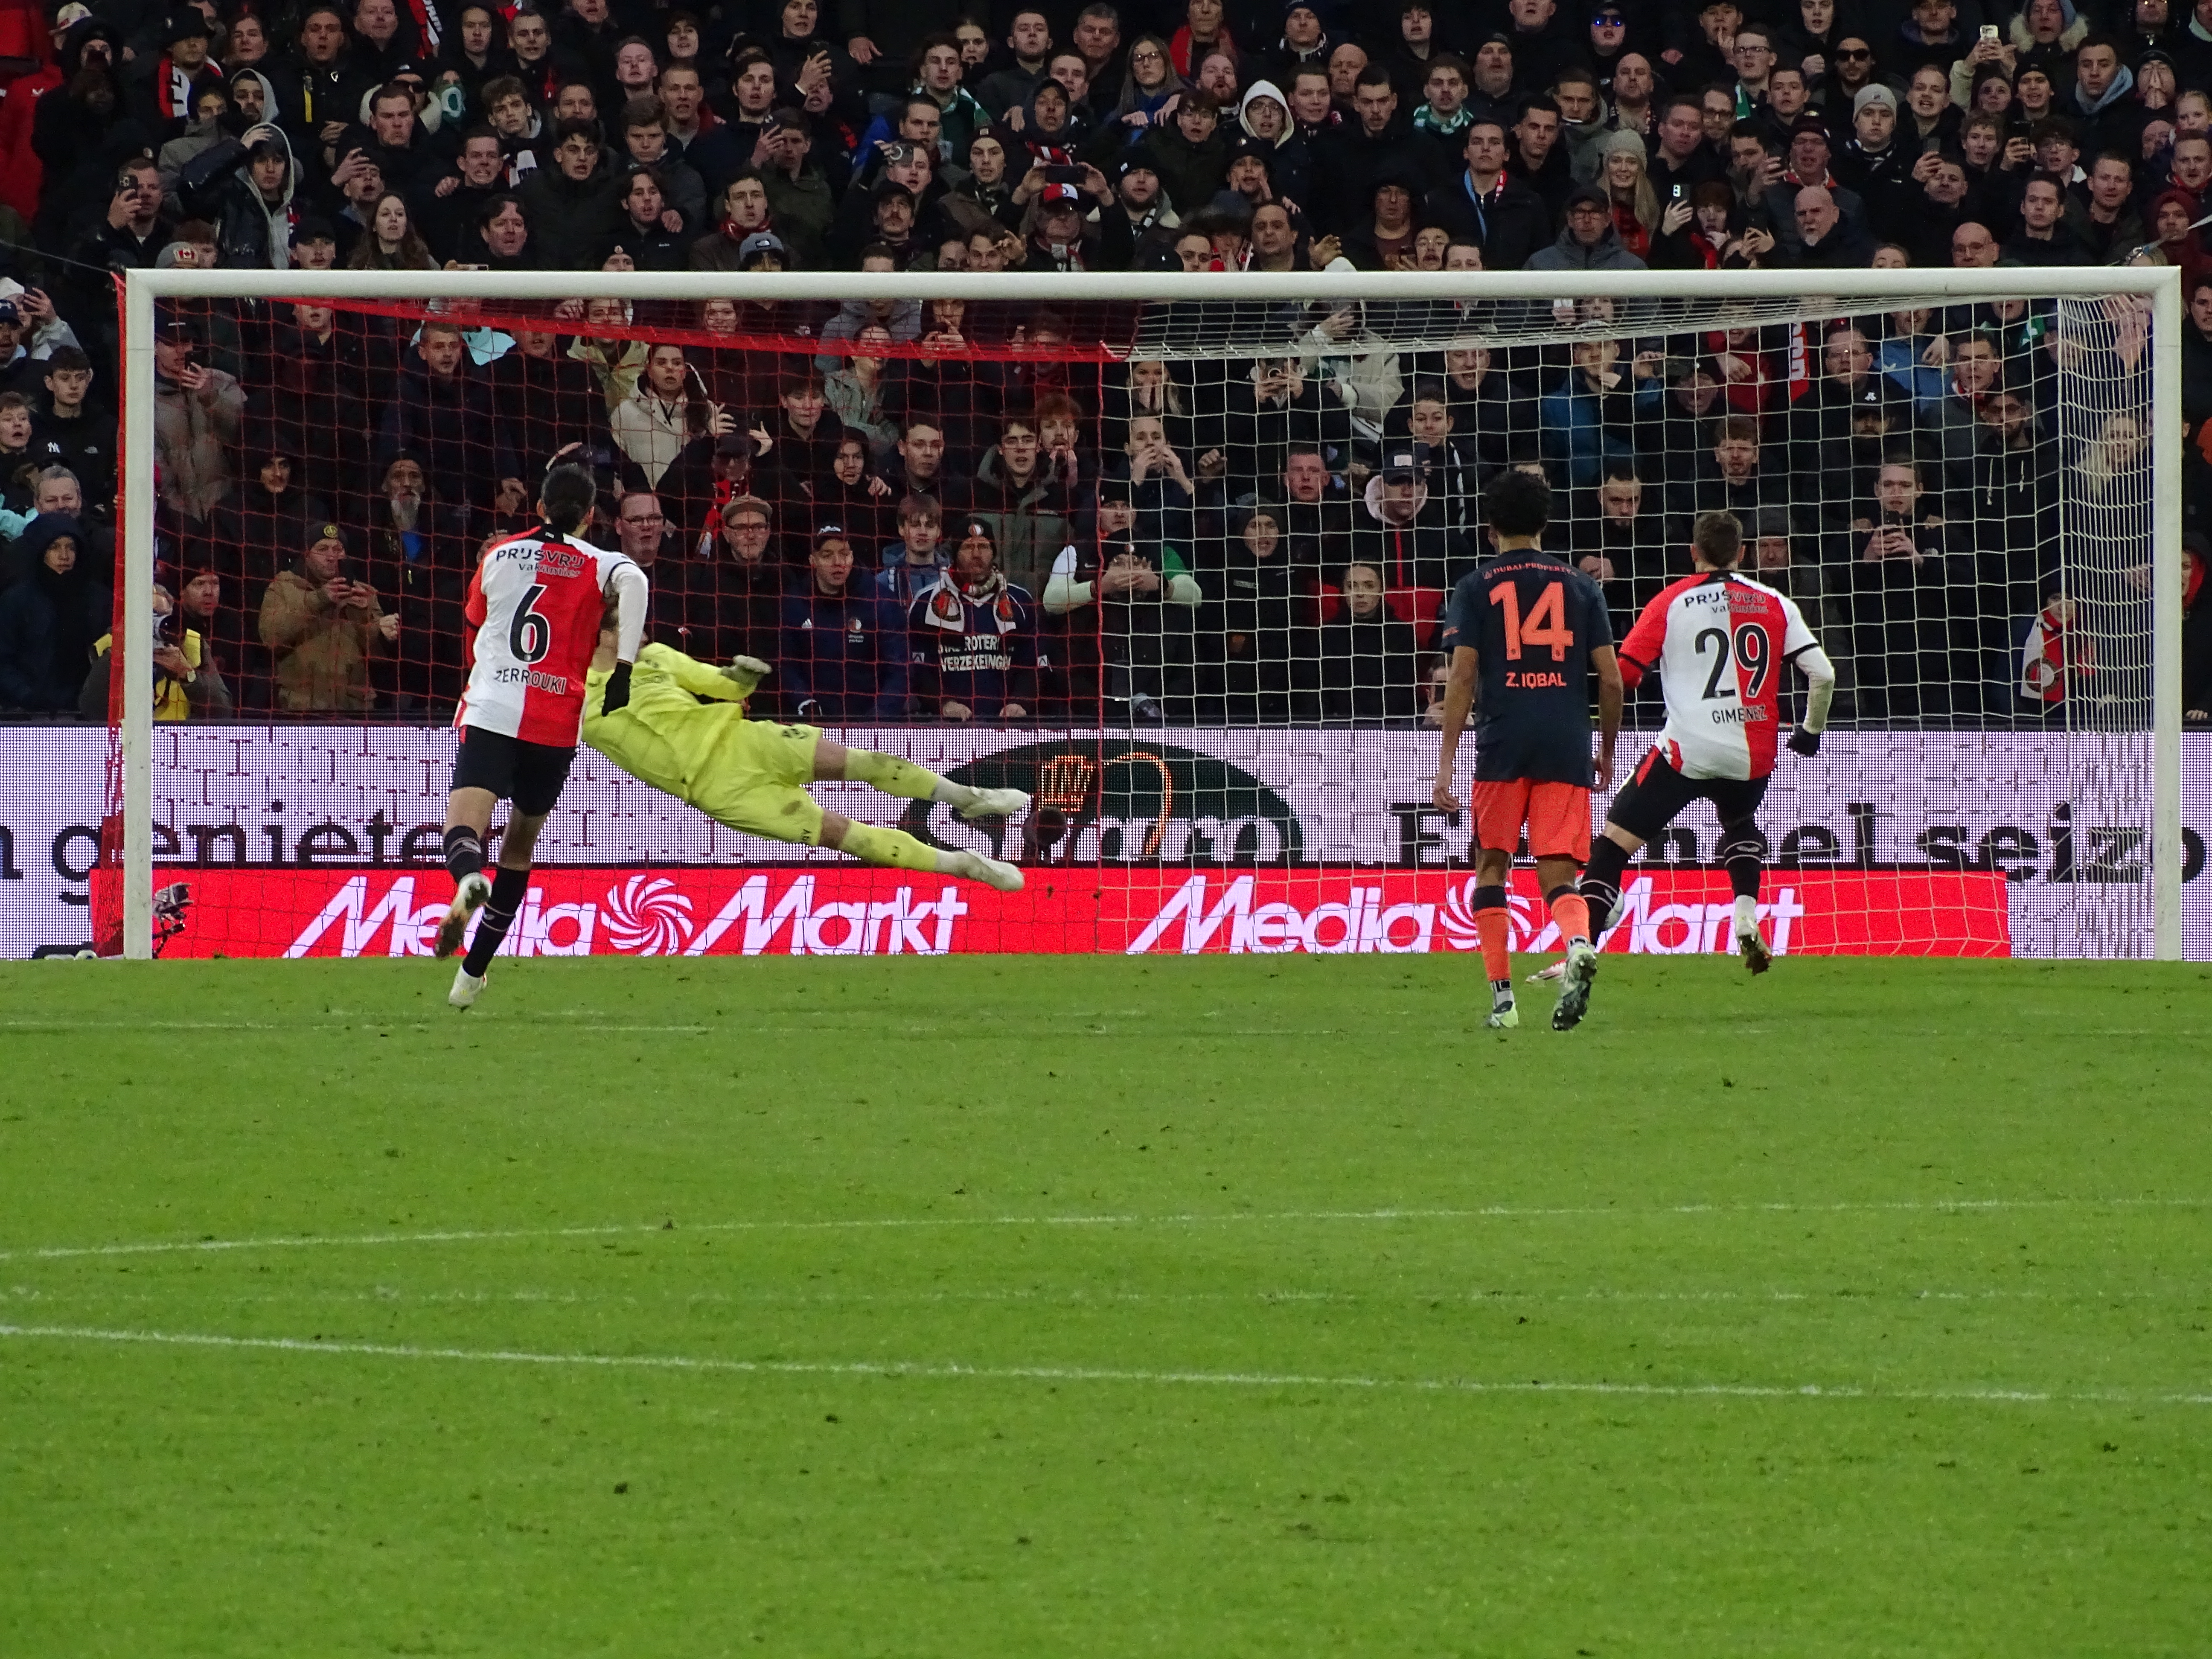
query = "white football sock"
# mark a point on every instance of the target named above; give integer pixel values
(1746, 914)
(955, 795)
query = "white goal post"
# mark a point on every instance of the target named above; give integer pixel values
(1811, 293)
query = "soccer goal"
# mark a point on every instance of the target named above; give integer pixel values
(1171, 553)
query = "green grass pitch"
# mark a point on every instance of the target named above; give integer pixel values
(1200, 1308)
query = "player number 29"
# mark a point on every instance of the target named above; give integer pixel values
(1546, 624)
(1751, 655)
(532, 635)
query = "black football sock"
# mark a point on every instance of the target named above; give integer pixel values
(463, 852)
(1601, 883)
(508, 888)
(1743, 851)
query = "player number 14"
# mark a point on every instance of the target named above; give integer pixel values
(1546, 624)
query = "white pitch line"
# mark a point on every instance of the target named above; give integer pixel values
(103, 1295)
(865, 1223)
(947, 1370)
(1193, 1220)
(363, 1024)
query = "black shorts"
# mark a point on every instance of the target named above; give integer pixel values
(1655, 795)
(528, 773)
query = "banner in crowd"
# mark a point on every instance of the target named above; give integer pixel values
(268, 826)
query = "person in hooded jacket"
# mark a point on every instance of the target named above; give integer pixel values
(472, 52)
(253, 97)
(49, 620)
(1399, 529)
(1369, 659)
(244, 187)
(1263, 652)
(81, 133)
(256, 533)
(1264, 113)
(1050, 128)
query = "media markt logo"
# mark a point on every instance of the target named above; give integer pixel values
(655, 916)
(1123, 801)
(648, 917)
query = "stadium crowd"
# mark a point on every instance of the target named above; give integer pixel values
(961, 511)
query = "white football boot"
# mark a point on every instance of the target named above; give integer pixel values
(467, 988)
(996, 803)
(1575, 986)
(976, 867)
(468, 898)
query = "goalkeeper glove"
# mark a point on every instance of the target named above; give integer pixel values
(618, 697)
(1802, 741)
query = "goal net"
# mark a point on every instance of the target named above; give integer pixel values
(1169, 554)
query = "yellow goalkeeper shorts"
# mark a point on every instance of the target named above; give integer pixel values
(757, 780)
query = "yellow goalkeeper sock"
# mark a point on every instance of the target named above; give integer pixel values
(895, 776)
(872, 845)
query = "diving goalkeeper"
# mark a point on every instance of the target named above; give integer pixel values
(752, 774)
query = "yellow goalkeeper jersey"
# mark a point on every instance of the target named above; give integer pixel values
(671, 738)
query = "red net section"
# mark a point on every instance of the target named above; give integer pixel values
(1178, 573)
(729, 441)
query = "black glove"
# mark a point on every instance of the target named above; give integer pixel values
(1802, 741)
(618, 697)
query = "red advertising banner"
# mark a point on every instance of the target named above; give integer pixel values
(848, 910)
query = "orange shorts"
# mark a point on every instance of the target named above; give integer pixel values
(1558, 816)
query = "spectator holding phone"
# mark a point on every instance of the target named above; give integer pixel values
(186, 682)
(197, 412)
(324, 627)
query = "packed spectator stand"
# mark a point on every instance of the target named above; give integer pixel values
(932, 511)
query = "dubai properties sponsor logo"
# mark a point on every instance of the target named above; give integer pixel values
(1242, 918)
(803, 914)
(1121, 801)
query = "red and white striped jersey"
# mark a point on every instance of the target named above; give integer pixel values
(1719, 642)
(535, 609)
